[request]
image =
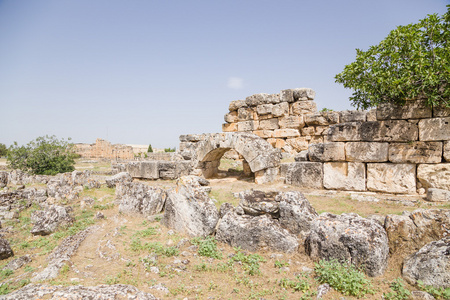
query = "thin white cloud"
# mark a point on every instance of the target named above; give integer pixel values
(235, 83)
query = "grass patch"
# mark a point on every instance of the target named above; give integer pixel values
(250, 262)
(344, 278)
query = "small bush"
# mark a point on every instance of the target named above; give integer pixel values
(298, 284)
(250, 262)
(438, 293)
(170, 149)
(207, 247)
(344, 278)
(399, 292)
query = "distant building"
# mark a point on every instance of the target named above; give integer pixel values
(104, 149)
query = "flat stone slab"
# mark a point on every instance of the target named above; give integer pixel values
(347, 176)
(415, 152)
(411, 110)
(434, 175)
(438, 195)
(391, 178)
(305, 174)
(366, 151)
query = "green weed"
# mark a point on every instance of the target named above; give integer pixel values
(399, 292)
(207, 247)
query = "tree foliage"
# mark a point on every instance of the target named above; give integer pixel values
(45, 156)
(150, 149)
(3, 150)
(412, 62)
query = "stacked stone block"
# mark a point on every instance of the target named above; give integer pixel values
(405, 150)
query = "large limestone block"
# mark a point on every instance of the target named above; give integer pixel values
(417, 109)
(347, 176)
(235, 105)
(431, 265)
(244, 114)
(415, 152)
(139, 198)
(305, 174)
(447, 151)
(266, 175)
(291, 122)
(298, 144)
(303, 107)
(366, 151)
(303, 94)
(389, 131)
(437, 195)
(436, 129)
(286, 133)
(353, 116)
(264, 109)
(280, 109)
(349, 237)
(322, 118)
(230, 127)
(327, 152)
(5, 249)
(287, 96)
(247, 125)
(264, 133)
(441, 111)
(231, 117)
(391, 178)
(143, 169)
(269, 124)
(434, 175)
(344, 132)
(256, 99)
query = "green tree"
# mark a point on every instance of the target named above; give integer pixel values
(3, 150)
(150, 149)
(45, 155)
(170, 149)
(412, 61)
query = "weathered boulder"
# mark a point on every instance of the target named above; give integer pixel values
(47, 221)
(256, 203)
(409, 232)
(366, 151)
(391, 178)
(434, 175)
(415, 152)
(54, 292)
(137, 197)
(437, 195)
(431, 264)
(348, 176)
(254, 233)
(120, 177)
(59, 188)
(326, 152)
(18, 263)
(224, 209)
(296, 213)
(349, 237)
(5, 249)
(3, 179)
(305, 174)
(189, 210)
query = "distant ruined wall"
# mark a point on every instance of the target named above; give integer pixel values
(393, 149)
(105, 150)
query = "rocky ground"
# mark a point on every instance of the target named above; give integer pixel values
(79, 235)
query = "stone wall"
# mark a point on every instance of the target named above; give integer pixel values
(288, 120)
(405, 150)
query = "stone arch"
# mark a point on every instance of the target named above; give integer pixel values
(206, 150)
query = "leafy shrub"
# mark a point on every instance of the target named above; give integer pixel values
(297, 284)
(399, 292)
(45, 156)
(412, 61)
(438, 293)
(344, 278)
(207, 247)
(250, 262)
(150, 149)
(170, 149)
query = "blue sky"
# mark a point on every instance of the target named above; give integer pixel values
(147, 71)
